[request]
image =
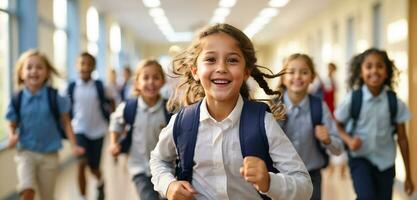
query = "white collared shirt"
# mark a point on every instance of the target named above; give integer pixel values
(218, 158)
(148, 124)
(87, 116)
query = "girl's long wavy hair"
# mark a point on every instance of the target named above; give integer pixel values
(21, 62)
(189, 91)
(355, 81)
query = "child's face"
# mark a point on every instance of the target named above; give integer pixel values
(373, 71)
(149, 82)
(34, 72)
(85, 67)
(299, 77)
(221, 67)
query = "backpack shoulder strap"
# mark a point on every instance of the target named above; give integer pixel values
(71, 88)
(53, 105)
(185, 136)
(393, 106)
(167, 114)
(356, 104)
(103, 99)
(252, 134)
(16, 103)
(129, 112)
(316, 110)
(53, 102)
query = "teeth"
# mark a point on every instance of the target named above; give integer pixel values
(221, 81)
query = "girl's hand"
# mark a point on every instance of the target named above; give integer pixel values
(181, 190)
(408, 186)
(77, 150)
(355, 143)
(13, 139)
(254, 171)
(114, 149)
(322, 134)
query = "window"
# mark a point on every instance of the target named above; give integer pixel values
(4, 63)
(60, 35)
(377, 26)
(92, 30)
(115, 44)
(350, 39)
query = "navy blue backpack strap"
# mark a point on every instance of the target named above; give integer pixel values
(129, 115)
(393, 107)
(316, 111)
(104, 102)
(185, 136)
(53, 105)
(355, 107)
(16, 103)
(70, 93)
(252, 134)
(167, 114)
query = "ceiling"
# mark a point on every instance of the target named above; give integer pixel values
(189, 15)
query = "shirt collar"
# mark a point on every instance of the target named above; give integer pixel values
(38, 93)
(81, 82)
(142, 105)
(234, 116)
(367, 95)
(303, 104)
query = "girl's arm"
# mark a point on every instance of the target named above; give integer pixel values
(69, 132)
(334, 143)
(116, 128)
(354, 143)
(162, 160)
(293, 181)
(13, 136)
(403, 143)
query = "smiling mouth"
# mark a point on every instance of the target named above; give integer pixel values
(220, 81)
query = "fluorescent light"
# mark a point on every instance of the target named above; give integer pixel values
(156, 12)
(221, 12)
(278, 3)
(151, 3)
(268, 12)
(227, 3)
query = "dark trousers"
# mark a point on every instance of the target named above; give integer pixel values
(144, 187)
(369, 182)
(316, 180)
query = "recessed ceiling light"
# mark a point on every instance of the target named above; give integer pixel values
(278, 3)
(151, 3)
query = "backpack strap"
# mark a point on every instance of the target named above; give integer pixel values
(129, 116)
(103, 99)
(185, 136)
(316, 111)
(16, 103)
(53, 105)
(252, 134)
(355, 107)
(70, 93)
(393, 108)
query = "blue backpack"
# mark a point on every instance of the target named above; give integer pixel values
(53, 106)
(252, 136)
(129, 116)
(316, 112)
(105, 103)
(356, 104)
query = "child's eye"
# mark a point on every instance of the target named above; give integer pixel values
(210, 59)
(233, 60)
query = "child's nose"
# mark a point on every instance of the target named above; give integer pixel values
(221, 67)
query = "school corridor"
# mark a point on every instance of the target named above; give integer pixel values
(121, 34)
